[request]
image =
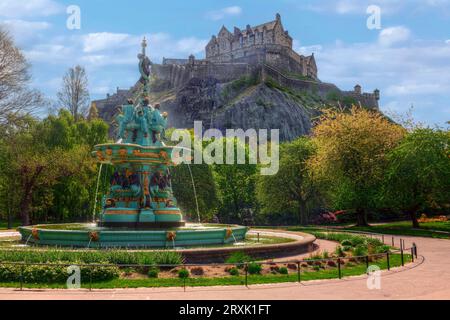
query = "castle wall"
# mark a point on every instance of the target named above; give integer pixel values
(178, 75)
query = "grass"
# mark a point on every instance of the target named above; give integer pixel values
(322, 274)
(4, 224)
(427, 229)
(98, 256)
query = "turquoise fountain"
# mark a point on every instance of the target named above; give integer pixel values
(140, 209)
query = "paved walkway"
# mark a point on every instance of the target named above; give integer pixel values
(427, 278)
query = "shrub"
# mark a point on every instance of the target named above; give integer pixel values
(183, 274)
(197, 271)
(292, 266)
(283, 270)
(233, 271)
(93, 256)
(347, 248)
(153, 272)
(340, 251)
(382, 249)
(316, 268)
(360, 250)
(331, 263)
(238, 257)
(254, 268)
(346, 243)
(55, 273)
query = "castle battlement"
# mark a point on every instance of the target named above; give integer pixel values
(267, 43)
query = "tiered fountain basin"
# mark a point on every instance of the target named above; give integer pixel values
(91, 236)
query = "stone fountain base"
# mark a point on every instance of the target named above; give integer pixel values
(128, 238)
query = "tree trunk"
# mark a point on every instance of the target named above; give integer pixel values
(25, 204)
(413, 216)
(361, 218)
(301, 212)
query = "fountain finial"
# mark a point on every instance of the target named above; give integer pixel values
(144, 45)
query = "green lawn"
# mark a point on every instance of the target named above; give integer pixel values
(331, 273)
(405, 228)
(4, 224)
(395, 228)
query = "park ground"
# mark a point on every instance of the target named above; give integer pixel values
(426, 278)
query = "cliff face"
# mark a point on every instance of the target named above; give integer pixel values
(243, 104)
(259, 98)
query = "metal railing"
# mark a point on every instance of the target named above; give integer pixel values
(300, 268)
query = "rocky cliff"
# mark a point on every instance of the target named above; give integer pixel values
(239, 104)
(262, 99)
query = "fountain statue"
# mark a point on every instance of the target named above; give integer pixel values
(141, 190)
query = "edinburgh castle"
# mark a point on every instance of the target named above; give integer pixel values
(243, 73)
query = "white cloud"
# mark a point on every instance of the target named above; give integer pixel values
(354, 6)
(24, 30)
(94, 42)
(29, 8)
(413, 73)
(223, 13)
(306, 50)
(192, 45)
(447, 41)
(394, 35)
(388, 7)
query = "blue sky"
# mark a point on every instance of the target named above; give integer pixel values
(408, 59)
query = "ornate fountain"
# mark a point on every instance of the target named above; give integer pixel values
(140, 209)
(141, 193)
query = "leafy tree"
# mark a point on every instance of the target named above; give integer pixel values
(418, 175)
(17, 100)
(50, 168)
(351, 157)
(206, 190)
(74, 94)
(292, 189)
(236, 187)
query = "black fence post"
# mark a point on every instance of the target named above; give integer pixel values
(415, 249)
(382, 238)
(412, 254)
(387, 261)
(90, 279)
(258, 237)
(401, 255)
(246, 275)
(401, 244)
(298, 272)
(367, 264)
(339, 268)
(393, 243)
(21, 278)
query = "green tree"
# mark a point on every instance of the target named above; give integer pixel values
(351, 157)
(205, 191)
(203, 180)
(50, 167)
(292, 189)
(236, 186)
(418, 175)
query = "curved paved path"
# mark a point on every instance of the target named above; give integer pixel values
(427, 278)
